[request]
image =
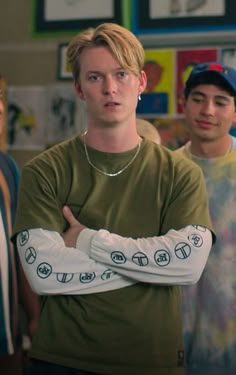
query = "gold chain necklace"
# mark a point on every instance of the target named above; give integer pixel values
(103, 172)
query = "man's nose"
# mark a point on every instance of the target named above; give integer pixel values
(109, 86)
(208, 108)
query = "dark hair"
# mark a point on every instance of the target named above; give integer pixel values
(208, 78)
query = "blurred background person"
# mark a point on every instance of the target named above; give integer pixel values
(14, 288)
(147, 130)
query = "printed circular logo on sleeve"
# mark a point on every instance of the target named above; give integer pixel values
(162, 258)
(118, 257)
(140, 259)
(196, 240)
(30, 255)
(87, 277)
(182, 250)
(108, 274)
(64, 277)
(44, 270)
(23, 237)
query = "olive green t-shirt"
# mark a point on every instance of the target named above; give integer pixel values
(130, 331)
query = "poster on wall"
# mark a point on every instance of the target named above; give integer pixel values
(63, 67)
(228, 56)
(26, 117)
(53, 16)
(186, 8)
(158, 96)
(185, 61)
(66, 114)
(182, 16)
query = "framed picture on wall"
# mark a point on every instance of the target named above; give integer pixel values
(63, 68)
(60, 16)
(182, 16)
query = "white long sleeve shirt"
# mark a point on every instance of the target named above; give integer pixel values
(105, 261)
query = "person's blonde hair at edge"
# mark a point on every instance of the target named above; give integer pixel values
(124, 46)
(147, 130)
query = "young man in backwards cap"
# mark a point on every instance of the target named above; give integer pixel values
(209, 307)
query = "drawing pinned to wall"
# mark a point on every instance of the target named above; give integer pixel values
(158, 97)
(154, 73)
(228, 57)
(185, 61)
(194, 8)
(26, 117)
(39, 117)
(60, 10)
(182, 16)
(63, 67)
(60, 16)
(66, 114)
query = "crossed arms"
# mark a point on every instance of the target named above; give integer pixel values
(84, 261)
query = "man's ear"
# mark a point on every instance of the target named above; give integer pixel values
(78, 90)
(142, 82)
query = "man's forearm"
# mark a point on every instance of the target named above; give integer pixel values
(177, 258)
(53, 268)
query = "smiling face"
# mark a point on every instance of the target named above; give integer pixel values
(209, 113)
(109, 91)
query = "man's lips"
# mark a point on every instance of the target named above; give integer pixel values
(205, 124)
(111, 104)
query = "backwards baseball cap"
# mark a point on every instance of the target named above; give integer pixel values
(227, 74)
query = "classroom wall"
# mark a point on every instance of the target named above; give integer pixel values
(25, 59)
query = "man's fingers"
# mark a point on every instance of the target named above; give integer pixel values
(69, 216)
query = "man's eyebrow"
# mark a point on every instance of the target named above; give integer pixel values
(200, 93)
(197, 92)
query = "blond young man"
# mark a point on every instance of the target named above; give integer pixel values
(114, 309)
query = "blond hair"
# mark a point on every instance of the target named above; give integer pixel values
(147, 130)
(124, 46)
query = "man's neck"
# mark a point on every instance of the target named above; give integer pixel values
(211, 149)
(114, 140)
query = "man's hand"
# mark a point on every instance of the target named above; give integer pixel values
(71, 235)
(29, 301)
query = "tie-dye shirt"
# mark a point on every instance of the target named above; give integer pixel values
(209, 308)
